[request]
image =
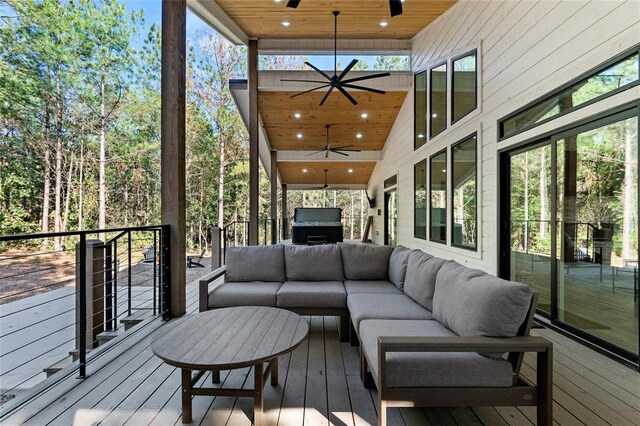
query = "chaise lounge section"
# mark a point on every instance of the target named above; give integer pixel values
(432, 333)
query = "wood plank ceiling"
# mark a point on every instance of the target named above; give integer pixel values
(359, 19)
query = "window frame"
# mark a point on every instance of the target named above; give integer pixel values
(415, 109)
(635, 50)
(451, 89)
(426, 207)
(430, 99)
(446, 186)
(451, 195)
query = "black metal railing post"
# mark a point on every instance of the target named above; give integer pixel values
(166, 268)
(108, 287)
(155, 256)
(129, 272)
(82, 304)
(274, 231)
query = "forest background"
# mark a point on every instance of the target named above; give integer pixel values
(80, 123)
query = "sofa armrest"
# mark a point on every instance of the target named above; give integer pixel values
(203, 287)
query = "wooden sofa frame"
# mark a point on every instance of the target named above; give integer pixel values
(342, 313)
(522, 393)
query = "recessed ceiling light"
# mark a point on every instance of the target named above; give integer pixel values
(299, 135)
(350, 170)
(364, 115)
(304, 170)
(286, 23)
(297, 115)
(434, 115)
(359, 135)
(383, 23)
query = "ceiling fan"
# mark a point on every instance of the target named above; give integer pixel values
(338, 149)
(395, 6)
(338, 81)
(326, 185)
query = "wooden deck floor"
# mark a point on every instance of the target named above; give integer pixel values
(319, 385)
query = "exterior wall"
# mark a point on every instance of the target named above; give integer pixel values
(526, 49)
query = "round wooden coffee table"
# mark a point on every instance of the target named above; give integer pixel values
(226, 339)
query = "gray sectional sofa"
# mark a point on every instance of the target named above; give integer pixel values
(431, 332)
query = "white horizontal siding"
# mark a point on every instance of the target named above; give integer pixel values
(528, 48)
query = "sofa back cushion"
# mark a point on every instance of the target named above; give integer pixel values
(255, 263)
(471, 302)
(398, 265)
(313, 263)
(420, 281)
(365, 261)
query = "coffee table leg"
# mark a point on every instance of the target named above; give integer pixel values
(258, 386)
(186, 396)
(274, 372)
(215, 377)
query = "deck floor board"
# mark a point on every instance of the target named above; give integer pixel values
(319, 384)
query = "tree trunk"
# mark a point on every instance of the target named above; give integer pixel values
(221, 167)
(81, 186)
(102, 187)
(47, 170)
(544, 216)
(351, 217)
(67, 198)
(58, 172)
(361, 213)
(126, 204)
(630, 201)
(526, 202)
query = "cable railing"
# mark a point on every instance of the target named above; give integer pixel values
(57, 306)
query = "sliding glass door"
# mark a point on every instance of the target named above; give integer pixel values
(573, 228)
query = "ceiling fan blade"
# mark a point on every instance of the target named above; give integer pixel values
(350, 150)
(343, 147)
(347, 69)
(318, 70)
(366, 77)
(367, 89)
(326, 95)
(295, 3)
(316, 152)
(394, 5)
(304, 81)
(326, 154)
(344, 92)
(310, 90)
(338, 152)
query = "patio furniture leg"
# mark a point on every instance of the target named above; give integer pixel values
(274, 372)
(353, 336)
(545, 387)
(186, 396)
(215, 376)
(344, 327)
(258, 393)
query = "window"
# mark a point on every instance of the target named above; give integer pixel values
(464, 193)
(392, 181)
(438, 100)
(618, 74)
(420, 111)
(420, 200)
(464, 86)
(438, 197)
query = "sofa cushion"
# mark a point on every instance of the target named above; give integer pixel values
(255, 293)
(255, 263)
(364, 306)
(420, 282)
(430, 369)
(365, 261)
(313, 263)
(471, 302)
(364, 286)
(398, 265)
(312, 294)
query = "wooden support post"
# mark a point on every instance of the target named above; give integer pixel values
(254, 159)
(274, 196)
(285, 215)
(94, 294)
(216, 248)
(172, 182)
